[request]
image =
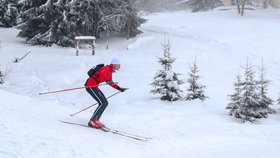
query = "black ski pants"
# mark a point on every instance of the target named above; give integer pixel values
(101, 100)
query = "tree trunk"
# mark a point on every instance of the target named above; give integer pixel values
(238, 6)
(128, 28)
(243, 7)
(242, 10)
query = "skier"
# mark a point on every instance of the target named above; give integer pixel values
(104, 74)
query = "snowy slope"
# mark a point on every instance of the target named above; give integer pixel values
(220, 40)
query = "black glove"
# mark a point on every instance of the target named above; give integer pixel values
(122, 89)
(110, 82)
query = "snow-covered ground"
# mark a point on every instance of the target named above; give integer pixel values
(221, 41)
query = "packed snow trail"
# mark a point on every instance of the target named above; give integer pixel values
(113, 131)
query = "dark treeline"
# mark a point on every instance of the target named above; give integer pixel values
(47, 22)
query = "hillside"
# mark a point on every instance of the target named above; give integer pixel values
(221, 41)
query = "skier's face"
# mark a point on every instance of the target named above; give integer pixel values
(116, 67)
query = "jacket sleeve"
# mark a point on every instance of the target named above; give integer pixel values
(111, 82)
(114, 85)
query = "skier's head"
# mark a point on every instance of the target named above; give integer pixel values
(116, 64)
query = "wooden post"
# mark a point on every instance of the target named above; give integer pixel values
(1, 78)
(93, 47)
(107, 45)
(77, 47)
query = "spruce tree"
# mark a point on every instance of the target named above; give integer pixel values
(8, 13)
(120, 16)
(235, 98)
(28, 10)
(166, 82)
(203, 5)
(32, 22)
(3, 9)
(250, 97)
(47, 22)
(65, 28)
(113, 15)
(49, 26)
(46, 30)
(57, 29)
(86, 15)
(133, 21)
(253, 102)
(195, 90)
(265, 101)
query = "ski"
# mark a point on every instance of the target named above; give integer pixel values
(113, 131)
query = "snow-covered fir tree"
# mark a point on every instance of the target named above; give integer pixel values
(86, 14)
(158, 5)
(117, 16)
(8, 13)
(114, 15)
(195, 90)
(166, 82)
(265, 101)
(59, 21)
(235, 98)
(65, 28)
(133, 21)
(2, 12)
(28, 9)
(31, 20)
(254, 103)
(250, 99)
(43, 29)
(202, 5)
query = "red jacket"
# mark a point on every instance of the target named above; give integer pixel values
(102, 75)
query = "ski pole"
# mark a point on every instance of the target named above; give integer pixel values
(70, 89)
(93, 104)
